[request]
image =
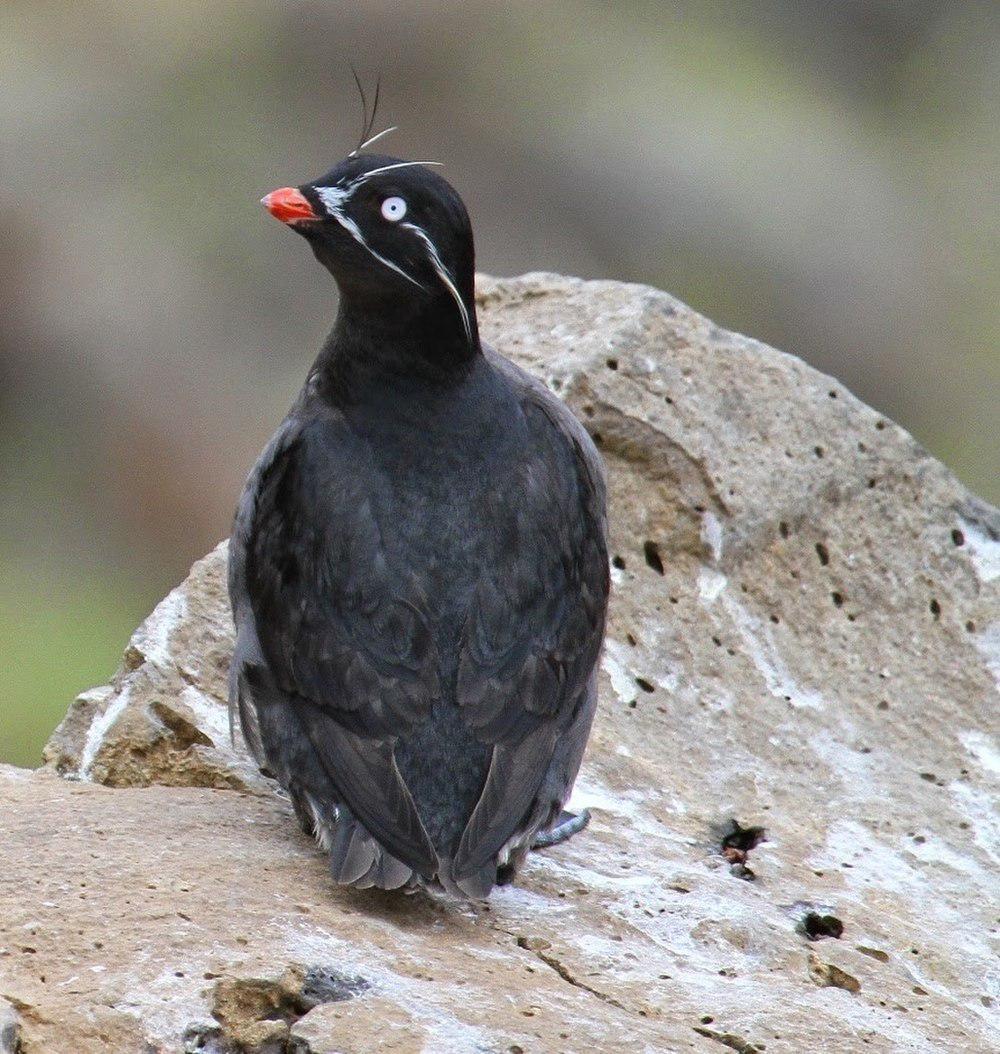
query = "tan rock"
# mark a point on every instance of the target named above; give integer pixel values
(164, 719)
(376, 1023)
(805, 638)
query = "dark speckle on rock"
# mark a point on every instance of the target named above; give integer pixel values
(817, 926)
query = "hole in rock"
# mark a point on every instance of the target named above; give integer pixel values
(736, 836)
(736, 843)
(817, 926)
(651, 551)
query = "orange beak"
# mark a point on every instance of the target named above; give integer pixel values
(288, 205)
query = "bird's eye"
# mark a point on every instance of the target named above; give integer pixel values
(393, 209)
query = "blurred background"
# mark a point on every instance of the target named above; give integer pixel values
(821, 175)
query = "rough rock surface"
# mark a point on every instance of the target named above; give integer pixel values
(805, 639)
(164, 717)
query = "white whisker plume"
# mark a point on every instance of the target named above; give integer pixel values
(443, 274)
(333, 198)
(374, 139)
(388, 168)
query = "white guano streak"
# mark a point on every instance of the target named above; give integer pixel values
(99, 728)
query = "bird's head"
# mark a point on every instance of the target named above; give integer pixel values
(395, 236)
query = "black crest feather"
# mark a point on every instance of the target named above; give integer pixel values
(367, 120)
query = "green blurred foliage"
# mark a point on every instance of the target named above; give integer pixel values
(61, 635)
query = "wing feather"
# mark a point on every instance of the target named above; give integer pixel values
(516, 772)
(364, 771)
(345, 635)
(536, 623)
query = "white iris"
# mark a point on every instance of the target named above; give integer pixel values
(394, 209)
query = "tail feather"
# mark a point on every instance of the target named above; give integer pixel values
(476, 885)
(311, 755)
(389, 873)
(356, 859)
(352, 853)
(508, 803)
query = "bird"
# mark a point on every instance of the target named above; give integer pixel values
(418, 565)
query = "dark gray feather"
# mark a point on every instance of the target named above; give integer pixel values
(382, 581)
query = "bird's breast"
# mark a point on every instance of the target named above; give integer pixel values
(440, 477)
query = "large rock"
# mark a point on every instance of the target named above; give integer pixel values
(164, 717)
(792, 776)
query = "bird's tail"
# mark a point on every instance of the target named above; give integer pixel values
(356, 859)
(278, 741)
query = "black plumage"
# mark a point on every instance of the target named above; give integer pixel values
(418, 566)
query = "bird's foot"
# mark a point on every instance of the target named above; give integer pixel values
(567, 824)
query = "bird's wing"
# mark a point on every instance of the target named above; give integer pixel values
(344, 634)
(535, 627)
(246, 653)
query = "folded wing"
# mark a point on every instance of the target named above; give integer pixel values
(344, 635)
(535, 628)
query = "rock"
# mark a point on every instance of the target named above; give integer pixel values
(255, 1013)
(798, 704)
(164, 717)
(375, 1023)
(828, 975)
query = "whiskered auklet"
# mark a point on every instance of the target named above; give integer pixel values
(418, 566)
